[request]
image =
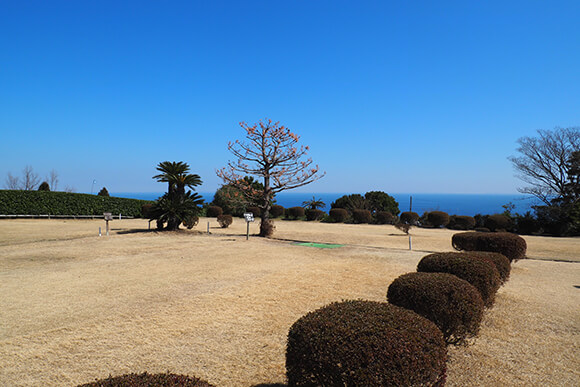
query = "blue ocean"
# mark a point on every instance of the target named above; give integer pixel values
(453, 204)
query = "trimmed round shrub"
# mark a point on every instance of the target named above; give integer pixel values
(254, 210)
(225, 220)
(362, 216)
(453, 304)
(314, 214)
(500, 261)
(145, 379)
(365, 343)
(438, 218)
(498, 222)
(409, 217)
(385, 217)
(214, 211)
(276, 211)
(189, 222)
(511, 245)
(481, 274)
(295, 212)
(338, 215)
(461, 222)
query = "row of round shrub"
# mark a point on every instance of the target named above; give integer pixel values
(436, 219)
(451, 289)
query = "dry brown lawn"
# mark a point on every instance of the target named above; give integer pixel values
(75, 307)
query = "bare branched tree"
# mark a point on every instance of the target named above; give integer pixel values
(53, 180)
(30, 179)
(12, 182)
(544, 162)
(270, 153)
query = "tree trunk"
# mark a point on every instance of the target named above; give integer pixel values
(173, 224)
(266, 225)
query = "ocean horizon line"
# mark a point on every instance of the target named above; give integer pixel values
(453, 204)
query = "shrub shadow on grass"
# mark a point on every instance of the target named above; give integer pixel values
(270, 385)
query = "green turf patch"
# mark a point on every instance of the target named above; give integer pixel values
(319, 245)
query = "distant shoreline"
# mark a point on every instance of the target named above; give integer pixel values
(453, 204)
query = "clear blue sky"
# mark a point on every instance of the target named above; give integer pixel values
(419, 97)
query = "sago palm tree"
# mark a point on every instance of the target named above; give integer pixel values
(176, 205)
(313, 204)
(176, 175)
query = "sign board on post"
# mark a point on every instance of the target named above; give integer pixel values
(249, 218)
(108, 216)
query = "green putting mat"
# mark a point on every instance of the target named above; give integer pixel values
(319, 245)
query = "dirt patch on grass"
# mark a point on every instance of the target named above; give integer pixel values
(76, 307)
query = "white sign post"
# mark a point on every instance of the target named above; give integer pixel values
(249, 218)
(108, 216)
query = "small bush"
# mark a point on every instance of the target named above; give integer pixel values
(409, 217)
(103, 192)
(145, 379)
(338, 215)
(404, 227)
(511, 245)
(295, 213)
(461, 222)
(385, 217)
(276, 211)
(314, 214)
(438, 219)
(225, 220)
(189, 222)
(44, 186)
(365, 343)
(453, 304)
(362, 216)
(498, 222)
(254, 210)
(500, 261)
(483, 275)
(214, 211)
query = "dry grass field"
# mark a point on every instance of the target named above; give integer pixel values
(75, 307)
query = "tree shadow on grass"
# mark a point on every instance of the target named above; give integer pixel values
(131, 231)
(270, 385)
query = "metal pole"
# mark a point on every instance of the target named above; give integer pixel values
(411, 204)
(248, 230)
(208, 227)
(410, 243)
(107, 228)
(99, 231)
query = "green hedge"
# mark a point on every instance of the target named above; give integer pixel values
(64, 203)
